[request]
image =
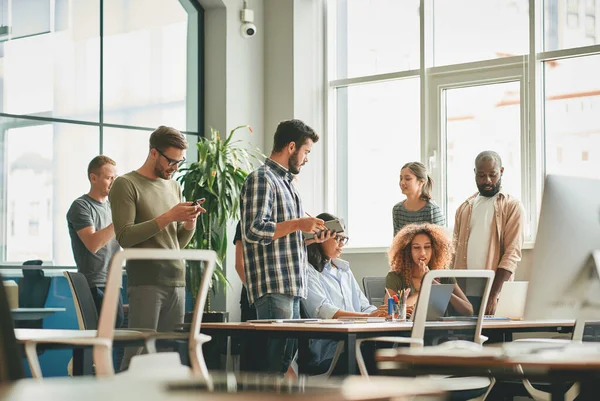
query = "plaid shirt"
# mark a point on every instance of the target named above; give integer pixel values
(272, 266)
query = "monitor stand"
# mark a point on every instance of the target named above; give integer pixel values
(583, 293)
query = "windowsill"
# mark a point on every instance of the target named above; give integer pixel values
(380, 249)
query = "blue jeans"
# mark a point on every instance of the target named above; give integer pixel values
(280, 351)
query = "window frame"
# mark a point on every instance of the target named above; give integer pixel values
(194, 106)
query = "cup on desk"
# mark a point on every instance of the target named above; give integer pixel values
(399, 312)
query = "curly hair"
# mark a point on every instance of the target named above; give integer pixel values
(400, 253)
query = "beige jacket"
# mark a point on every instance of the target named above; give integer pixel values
(506, 239)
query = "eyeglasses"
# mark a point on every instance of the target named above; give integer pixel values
(172, 162)
(341, 239)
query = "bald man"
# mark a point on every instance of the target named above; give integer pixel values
(488, 230)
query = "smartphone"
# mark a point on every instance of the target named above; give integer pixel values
(198, 202)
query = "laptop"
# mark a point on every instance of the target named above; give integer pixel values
(512, 299)
(438, 301)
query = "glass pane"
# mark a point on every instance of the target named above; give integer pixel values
(381, 124)
(44, 168)
(572, 90)
(479, 118)
(473, 30)
(376, 37)
(571, 23)
(54, 74)
(127, 147)
(145, 56)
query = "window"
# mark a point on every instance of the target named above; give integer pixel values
(472, 30)
(570, 23)
(46, 164)
(52, 74)
(375, 37)
(145, 53)
(575, 130)
(484, 84)
(479, 118)
(54, 116)
(378, 124)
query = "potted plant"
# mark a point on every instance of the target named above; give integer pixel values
(217, 176)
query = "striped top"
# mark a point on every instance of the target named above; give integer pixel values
(430, 213)
(272, 266)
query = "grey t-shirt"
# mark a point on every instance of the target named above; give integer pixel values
(85, 212)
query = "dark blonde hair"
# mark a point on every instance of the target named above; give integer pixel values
(97, 163)
(167, 137)
(420, 171)
(400, 253)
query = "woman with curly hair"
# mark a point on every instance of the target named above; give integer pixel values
(416, 249)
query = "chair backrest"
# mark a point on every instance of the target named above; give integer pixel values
(374, 289)
(108, 312)
(11, 367)
(420, 313)
(33, 292)
(85, 307)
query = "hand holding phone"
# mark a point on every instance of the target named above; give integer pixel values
(198, 202)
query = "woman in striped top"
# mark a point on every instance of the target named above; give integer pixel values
(418, 207)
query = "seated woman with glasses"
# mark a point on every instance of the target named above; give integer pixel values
(416, 249)
(333, 292)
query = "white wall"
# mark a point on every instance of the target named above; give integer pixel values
(234, 95)
(294, 82)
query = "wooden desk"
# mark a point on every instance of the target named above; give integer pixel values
(252, 333)
(555, 368)
(33, 313)
(261, 389)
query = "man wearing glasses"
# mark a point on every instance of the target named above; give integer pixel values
(148, 213)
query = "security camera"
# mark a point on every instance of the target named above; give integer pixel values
(248, 29)
(247, 17)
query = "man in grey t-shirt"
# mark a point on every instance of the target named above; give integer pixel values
(92, 234)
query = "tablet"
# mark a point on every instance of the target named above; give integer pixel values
(333, 225)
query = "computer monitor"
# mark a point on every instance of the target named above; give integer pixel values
(564, 282)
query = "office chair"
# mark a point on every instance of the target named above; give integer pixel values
(102, 339)
(374, 289)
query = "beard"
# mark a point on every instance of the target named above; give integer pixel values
(159, 171)
(294, 164)
(488, 193)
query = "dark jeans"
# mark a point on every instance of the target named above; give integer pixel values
(280, 351)
(98, 295)
(248, 311)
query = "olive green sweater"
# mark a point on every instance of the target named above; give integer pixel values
(135, 202)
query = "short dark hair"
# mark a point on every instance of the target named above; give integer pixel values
(167, 137)
(316, 256)
(97, 163)
(292, 131)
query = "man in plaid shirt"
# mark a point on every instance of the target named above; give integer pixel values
(273, 220)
